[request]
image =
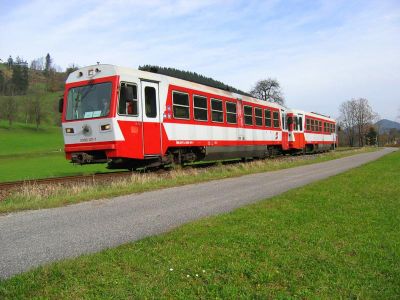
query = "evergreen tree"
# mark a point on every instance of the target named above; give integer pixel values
(10, 62)
(48, 63)
(371, 136)
(20, 77)
(191, 76)
(24, 79)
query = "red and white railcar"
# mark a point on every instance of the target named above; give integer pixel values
(311, 132)
(131, 118)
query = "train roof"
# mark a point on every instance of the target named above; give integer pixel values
(105, 70)
(312, 114)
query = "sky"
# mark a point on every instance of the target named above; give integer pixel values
(322, 52)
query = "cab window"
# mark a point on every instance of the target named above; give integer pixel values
(128, 103)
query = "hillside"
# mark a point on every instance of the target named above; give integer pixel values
(38, 105)
(385, 125)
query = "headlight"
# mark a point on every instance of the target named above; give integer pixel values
(105, 127)
(69, 130)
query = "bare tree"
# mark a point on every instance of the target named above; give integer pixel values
(9, 108)
(365, 116)
(348, 121)
(268, 90)
(356, 115)
(37, 110)
(37, 64)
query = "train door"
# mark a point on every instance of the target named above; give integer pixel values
(285, 133)
(240, 123)
(300, 128)
(291, 126)
(151, 119)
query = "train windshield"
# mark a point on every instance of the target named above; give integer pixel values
(89, 101)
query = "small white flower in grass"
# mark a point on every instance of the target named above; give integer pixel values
(187, 275)
(197, 275)
(171, 269)
(204, 271)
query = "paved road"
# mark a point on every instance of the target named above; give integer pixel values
(32, 238)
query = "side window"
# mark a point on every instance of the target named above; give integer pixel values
(180, 105)
(231, 116)
(308, 124)
(150, 100)
(200, 108)
(128, 103)
(290, 121)
(217, 114)
(267, 116)
(258, 115)
(248, 115)
(276, 119)
(300, 123)
(312, 125)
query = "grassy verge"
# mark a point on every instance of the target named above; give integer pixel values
(36, 197)
(337, 238)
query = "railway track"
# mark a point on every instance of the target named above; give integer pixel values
(7, 187)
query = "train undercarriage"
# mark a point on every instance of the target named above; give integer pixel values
(187, 155)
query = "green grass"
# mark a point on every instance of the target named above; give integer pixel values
(27, 153)
(43, 166)
(337, 238)
(24, 139)
(47, 196)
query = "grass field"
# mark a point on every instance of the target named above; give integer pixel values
(337, 238)
(27, 153)
(22, 139)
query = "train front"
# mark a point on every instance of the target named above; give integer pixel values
(90, 129)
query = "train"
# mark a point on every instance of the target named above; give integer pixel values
(132, 119)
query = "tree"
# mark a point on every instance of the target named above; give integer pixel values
(10, 62)
(48, 64)
(37, 110)
(268, 90)
(191, 76)
(347, 120)
(20, 77)
(371, 136)
(38, 64)
(9, 108)
(364, 117)
(71, 68)
(355, 117)
(2, 82)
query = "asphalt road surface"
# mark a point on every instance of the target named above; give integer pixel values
(32, 238)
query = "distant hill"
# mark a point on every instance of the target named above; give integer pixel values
(385, 125)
